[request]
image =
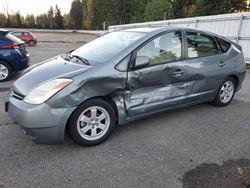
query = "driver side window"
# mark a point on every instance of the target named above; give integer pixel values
(163, 49)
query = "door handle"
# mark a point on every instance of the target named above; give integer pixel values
(222, 64)
(177, 73)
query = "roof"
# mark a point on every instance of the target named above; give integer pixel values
(152, 29)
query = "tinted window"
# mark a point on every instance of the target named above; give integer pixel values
(17, 34)
(223, 44)
(108, 46)
(13, 38)
(165, 48)
(200, 45)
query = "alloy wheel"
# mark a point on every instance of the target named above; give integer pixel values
(93, 123)
(227, 92)
(4, 72)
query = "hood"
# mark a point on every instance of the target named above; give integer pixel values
(52, 69)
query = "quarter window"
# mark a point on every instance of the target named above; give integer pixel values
(163, 49)
(223, 44)
(123, 65)
(200, 45)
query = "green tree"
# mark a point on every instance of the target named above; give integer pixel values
(18, 20)
(157, 10)
(183, 8)
(67, 22)
(3, 20)
(123, 11)
(89, 13)
(51, 18)
(103, 11)
(42, 21)
(30, 21)
(76, 13)
(58, 18)
(211, 7)
(8, 22)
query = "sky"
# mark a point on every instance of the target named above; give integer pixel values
(34, 6)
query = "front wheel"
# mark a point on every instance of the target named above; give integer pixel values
(92, 122)
(226, 93)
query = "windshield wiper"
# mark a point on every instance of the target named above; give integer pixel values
(85, 61)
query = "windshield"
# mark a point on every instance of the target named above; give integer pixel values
(106, 47)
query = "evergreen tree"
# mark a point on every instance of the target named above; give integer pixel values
(103, 11)
(183, 8)
(58, 18)
(30, 21)
(3, 20)
(76, 13)
(50, 17)
(212, 7)
(18, 20)
(42, 21)
(157, 10)
(123, 10)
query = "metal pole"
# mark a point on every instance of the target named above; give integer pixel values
(196, 23)
(239, 30)
(104, 25)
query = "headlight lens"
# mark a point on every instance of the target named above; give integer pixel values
(45, 91)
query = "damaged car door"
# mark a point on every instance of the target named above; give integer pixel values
(160, 83)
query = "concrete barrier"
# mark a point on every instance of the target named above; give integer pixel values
(92, 32)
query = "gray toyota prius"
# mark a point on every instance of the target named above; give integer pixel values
(123, 76)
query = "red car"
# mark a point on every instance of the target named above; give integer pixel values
(25, 36)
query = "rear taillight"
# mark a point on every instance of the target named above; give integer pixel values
(12, 45)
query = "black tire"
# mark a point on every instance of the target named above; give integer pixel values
(10, 71)
(32, 43)
(218, 101)
(73, 122)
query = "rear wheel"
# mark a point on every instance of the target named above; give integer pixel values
(31, 43)
(226, 93)
(92, 122)
(5, 71)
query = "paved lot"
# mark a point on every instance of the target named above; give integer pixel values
(51, 44)
(169, 150)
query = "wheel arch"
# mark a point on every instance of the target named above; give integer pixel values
(12, 68)
(236, 79)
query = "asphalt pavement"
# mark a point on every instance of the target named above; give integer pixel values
(200, 146)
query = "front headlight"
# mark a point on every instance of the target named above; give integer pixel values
(45, 91)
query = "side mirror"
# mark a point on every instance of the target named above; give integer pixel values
(141, 62)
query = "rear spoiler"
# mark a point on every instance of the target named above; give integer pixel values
(4, 32)
(237, 45)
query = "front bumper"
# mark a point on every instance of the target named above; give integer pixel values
(42, 123)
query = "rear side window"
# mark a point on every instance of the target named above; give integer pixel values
(17, 34)
(200, 45)
(223, 44)
(13, 38)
